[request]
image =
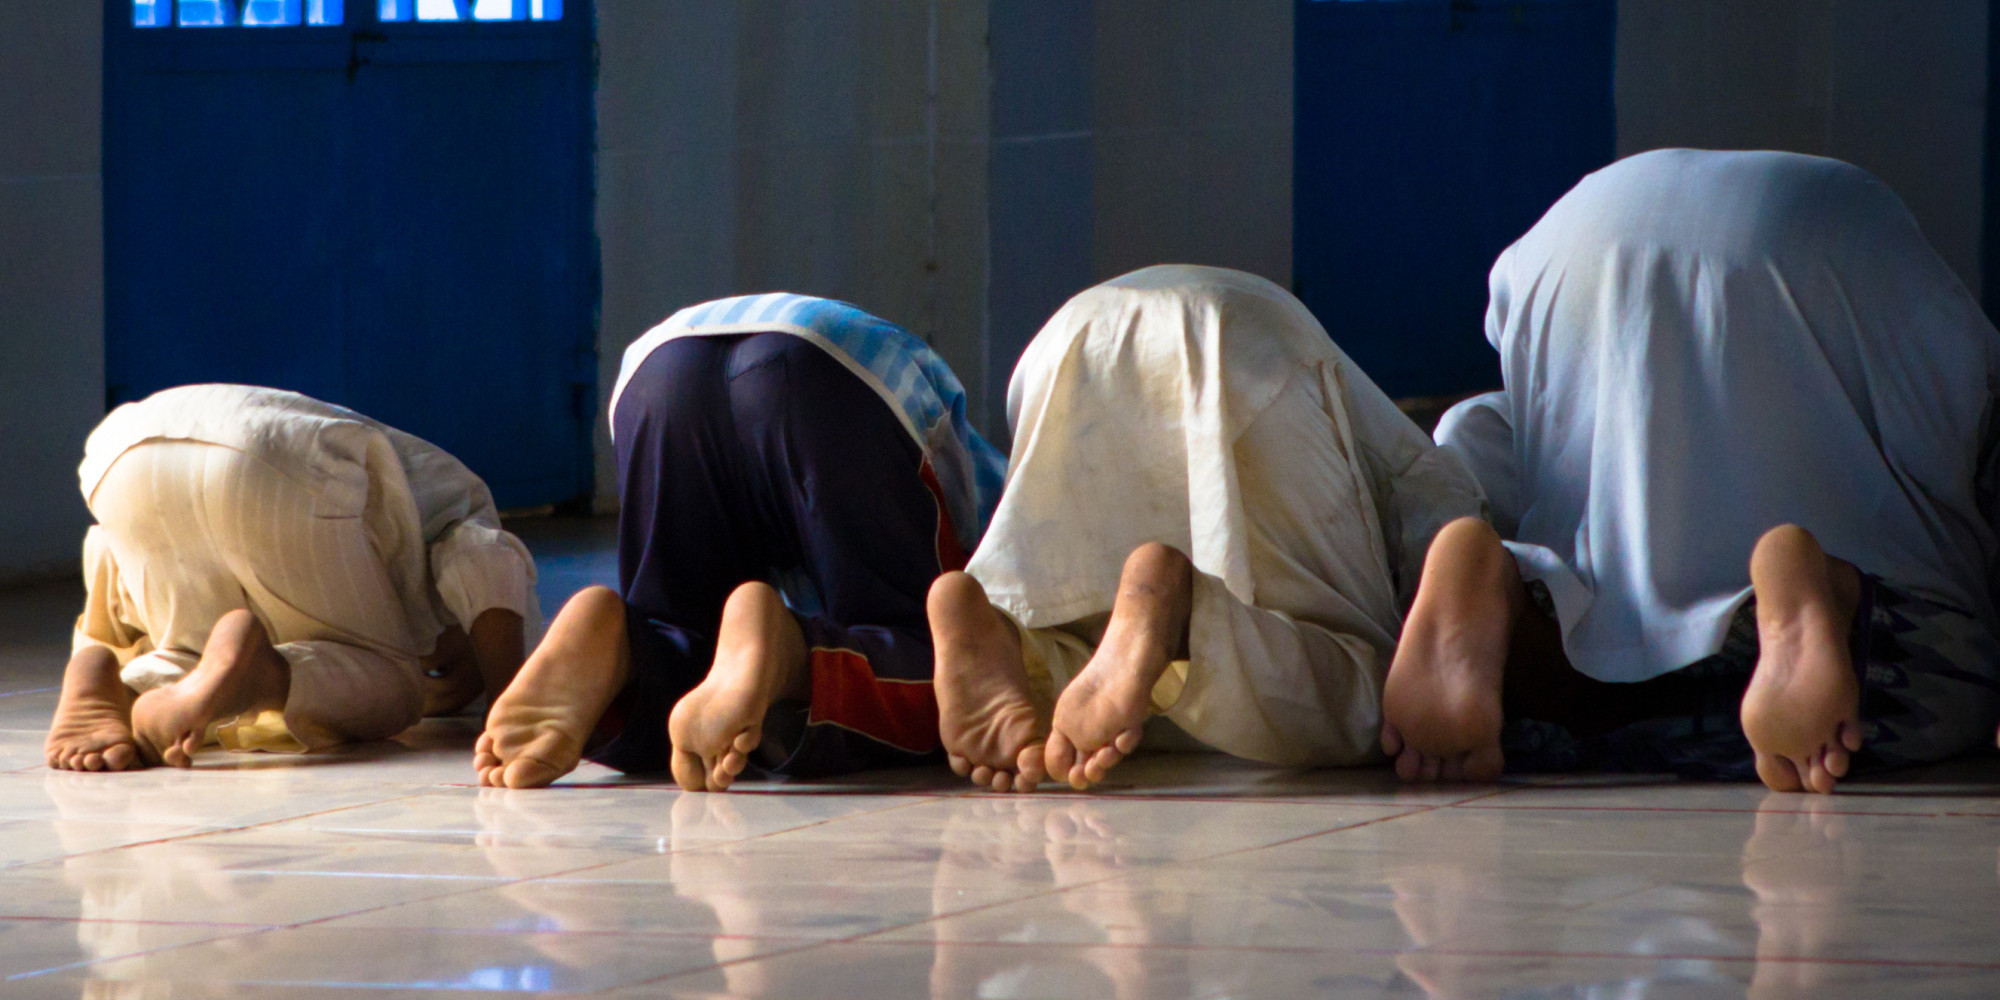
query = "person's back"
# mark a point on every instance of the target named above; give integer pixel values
(1743, 469)
(287, 569)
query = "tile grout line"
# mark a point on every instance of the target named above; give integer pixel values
(1040, 894)
(252, 930)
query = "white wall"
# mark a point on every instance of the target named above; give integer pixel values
(826, 147)
(51, 278)
(957, 166)
(1897, 87)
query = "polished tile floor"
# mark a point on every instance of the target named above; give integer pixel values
(382, 868)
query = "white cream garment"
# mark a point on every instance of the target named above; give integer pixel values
(328, 525)
(1208, 410)
(1700, 346)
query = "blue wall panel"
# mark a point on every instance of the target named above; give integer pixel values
(395, 217)
(1430, 135)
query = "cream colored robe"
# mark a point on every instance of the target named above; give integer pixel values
(354, 544)
(1206, 409)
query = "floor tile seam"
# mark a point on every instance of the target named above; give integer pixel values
(206, 830)
(1216, 799)
(697, 970)
(503, 882)
(1895, 963)
(145, 953)
(1052, 891)
(1718, 810)
(1310, 950)
(120, 922)
(186, 833)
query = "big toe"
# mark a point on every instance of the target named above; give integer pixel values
(121, 757)
(1778, 774)
(1059, 755)
(1031, 764)
(529, 773)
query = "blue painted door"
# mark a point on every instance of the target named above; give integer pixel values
(1430, 135)
(387, 206)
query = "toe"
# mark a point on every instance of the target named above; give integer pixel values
(1777, 773)
(1428, 772)
(1060, 754)
(1032, 766)
(1078, 779)
(1101, 763)
(1838, 760)
(1003, 781)
(1392, 741)
(1408, 764)
(1851, 735)
(1453, 770)
(982, 775)
(688, 771)
(959, 765)
(525, 773)
(93, 761)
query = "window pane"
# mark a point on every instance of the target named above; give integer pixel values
(270, 13)
(441, 10)
(207, 13)
(500, 10)
(324, 11)
(469, 10)
(152, 13)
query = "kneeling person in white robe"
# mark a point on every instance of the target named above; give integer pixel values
(277, 573)
(1211, 515)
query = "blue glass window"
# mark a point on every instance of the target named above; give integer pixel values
(206, 13)
(469, 10)
(225, 13)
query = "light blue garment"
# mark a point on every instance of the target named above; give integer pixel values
(918, 386)
(1698, 347)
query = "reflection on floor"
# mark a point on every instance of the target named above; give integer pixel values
(1195, 876)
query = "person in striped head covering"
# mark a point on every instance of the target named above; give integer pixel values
(793, 474)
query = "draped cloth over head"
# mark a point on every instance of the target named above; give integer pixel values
(911, 378)
(1698, 347)
(1207, 410)
(1130, 402)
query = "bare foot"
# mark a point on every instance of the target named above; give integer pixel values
(92, 728)
(239, 674)
(991, 730)
(1802, 710)
(760, 657)
(1441, 704)
(1100, 716)
(537, 727)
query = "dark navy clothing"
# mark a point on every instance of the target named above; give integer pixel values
(762, 457)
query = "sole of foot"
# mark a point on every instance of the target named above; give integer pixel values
(760, 657)
(1100, 716)
(239, 673)
(991, 729)
(1802, 709)
(536, 730)
(1441, 703)
(92, 727)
